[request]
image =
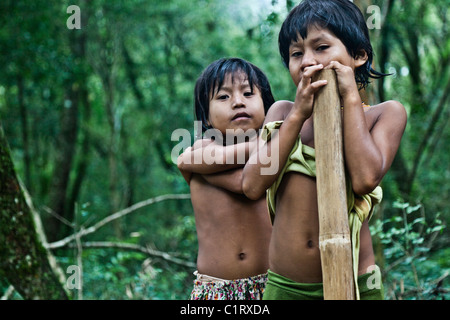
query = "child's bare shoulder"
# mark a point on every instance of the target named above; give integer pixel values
(390, 114)
(279, 110)
(389, 107)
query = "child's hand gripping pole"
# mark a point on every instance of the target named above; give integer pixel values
(334, 234)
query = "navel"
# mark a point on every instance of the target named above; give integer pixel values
(242, 256)
(310, 244)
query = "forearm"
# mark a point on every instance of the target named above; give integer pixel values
(259, 175)
(209, 158)
(230, 180)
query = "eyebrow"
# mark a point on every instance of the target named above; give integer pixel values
(226, 88)
(319, 38)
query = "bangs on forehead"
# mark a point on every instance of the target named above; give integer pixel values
(303, 31)
(341, 17)
(300, 27)
(213, 77)
(235, 70)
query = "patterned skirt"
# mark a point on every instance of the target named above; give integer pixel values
(211, 288)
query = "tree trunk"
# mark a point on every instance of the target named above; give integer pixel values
(82, 163)
(106, 72)
(65, 154)
(60, 195)
(23, 259)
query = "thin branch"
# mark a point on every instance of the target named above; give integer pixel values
(42, 237)
(115, 216)
(393, 265)
(57, 216)
(79, 252)
(138, 248)
(418, 290)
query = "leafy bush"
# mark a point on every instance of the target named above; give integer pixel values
(414, 268)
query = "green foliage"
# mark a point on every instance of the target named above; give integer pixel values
(129, 73)
(409, 241)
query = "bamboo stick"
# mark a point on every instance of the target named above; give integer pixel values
(334, 234)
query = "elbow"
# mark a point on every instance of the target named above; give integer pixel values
(251, 190)
(365, 186)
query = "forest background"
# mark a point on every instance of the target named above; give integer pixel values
(88, 115)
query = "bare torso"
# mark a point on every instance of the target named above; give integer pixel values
(294, 247)
(233, 232)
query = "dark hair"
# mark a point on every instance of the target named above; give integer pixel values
(343, 18)
(212, 78)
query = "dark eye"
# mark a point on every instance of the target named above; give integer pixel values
(322, 48)
(297, 54)
(222, 97)
(248, 94)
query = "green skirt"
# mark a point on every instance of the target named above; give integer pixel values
(282, 288)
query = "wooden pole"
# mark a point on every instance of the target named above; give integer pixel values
(334, 234)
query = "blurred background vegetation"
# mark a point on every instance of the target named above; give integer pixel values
(89, 114)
